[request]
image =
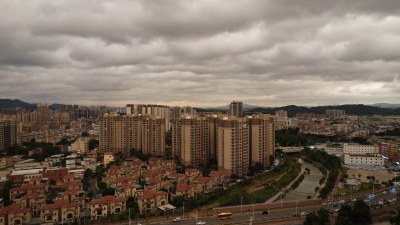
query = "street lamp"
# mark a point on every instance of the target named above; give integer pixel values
(183, 213)
(241, 204)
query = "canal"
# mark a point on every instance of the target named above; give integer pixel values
(307, 186)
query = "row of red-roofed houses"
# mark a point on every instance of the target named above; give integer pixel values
(161, 180)
(159, 176)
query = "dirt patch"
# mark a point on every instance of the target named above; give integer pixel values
(379, 175)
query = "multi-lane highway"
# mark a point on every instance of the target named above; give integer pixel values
(276, 215)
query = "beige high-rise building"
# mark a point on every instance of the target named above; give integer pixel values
(112, 135)
(178, 111)
(262, 139)
(236, 109)
(233, 145)
(159, 111)
(212, 136)
(123, 133)
(8, 134)
(195, 140)
(153, 136)
(134, 132)
(176, 129)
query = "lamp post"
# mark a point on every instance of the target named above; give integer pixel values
(241, 204)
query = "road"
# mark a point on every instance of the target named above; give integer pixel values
(275, 216)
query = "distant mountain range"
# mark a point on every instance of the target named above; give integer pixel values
(386, 105)
(375, 109)
(293, 110)
(16, 103)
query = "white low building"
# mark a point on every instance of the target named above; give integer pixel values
(356, 149)
(337, 151)
(364, 160)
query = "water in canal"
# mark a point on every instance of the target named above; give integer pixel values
(307, 186)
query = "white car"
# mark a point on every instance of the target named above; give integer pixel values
(354, 200)
(384, 192)
(342, 201)
(201, 222)
(337, 210)
(303, 214)
(177, 219)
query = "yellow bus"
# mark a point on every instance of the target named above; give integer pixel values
(224, 215)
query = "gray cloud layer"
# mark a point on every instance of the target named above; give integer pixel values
(204, 52)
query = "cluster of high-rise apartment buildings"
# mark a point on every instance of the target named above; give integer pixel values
(232, 141)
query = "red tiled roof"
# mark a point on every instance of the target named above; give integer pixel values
(58, 204)
(151, 173)
(26, 187)
(71, 192)
(152, 194)
(202, 179)
(185, 187)
(189, 170)
(107, 199)
(14, 208)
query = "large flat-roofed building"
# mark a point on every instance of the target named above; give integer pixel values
(365, 159)
(236, 109)
(356, 149)
(233, 145)
(262, 139)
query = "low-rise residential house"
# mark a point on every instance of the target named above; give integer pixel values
(151, 175)
(24, 189)
(15, 214)
(206, 183)
(191, 174)
(61, 211)
(107, 205)
(123, 180)
(33, 201)
(219, 176)
(187, 190)
(127, 190)
(151, 200)
(177, 177)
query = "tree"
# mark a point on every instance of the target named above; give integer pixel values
(344, 216)
(5, 193)
(178, 201)
(108, 191)
(93, 143)
(311, 219)
(321, 218)
(85, 134)
(361, 213)
(395, 220)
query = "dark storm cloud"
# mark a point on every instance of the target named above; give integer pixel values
(205, 52)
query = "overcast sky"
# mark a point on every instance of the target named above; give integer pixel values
(200, 53)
